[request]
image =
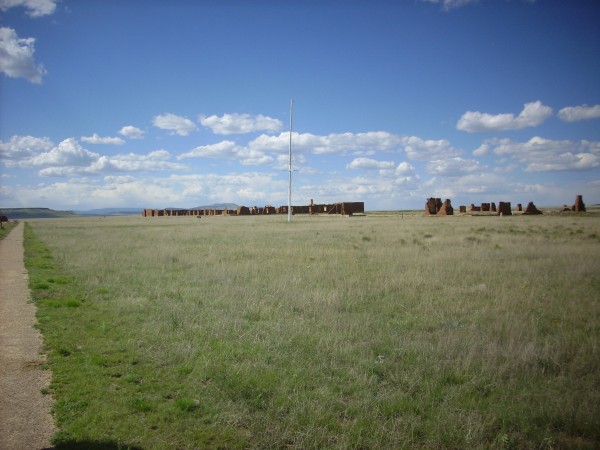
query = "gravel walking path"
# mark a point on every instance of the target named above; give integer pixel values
(25, 420)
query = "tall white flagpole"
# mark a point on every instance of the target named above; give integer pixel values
(290, 164)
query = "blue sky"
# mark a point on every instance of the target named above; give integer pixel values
(131, 103)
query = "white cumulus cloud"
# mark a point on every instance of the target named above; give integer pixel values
(16, 57)
(582, 112)
(454, 166)
(23, 147)
(240, 123)
(542, 155)
(337, 143)
(69, 158)
(95, 139)
(223, 149)
(131, 132)
(370, 164)
(35, 8)
(174, 123)
(427, 150)
(67, 153)
(532, 115)
(405, 169)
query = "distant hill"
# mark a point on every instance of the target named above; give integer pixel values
(34, 213)
(110, 212)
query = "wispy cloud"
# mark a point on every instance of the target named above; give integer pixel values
(223, 149)
(16, 57)
(450, 4)
(370, 164)
(241, 123)
(174, 123)
(454, 166)
(35, 8)
(582, 112)
(95, 139)
(532, 115)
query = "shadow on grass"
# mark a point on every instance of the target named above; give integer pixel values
(92, 445)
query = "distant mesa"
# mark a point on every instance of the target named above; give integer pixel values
(34, 213)
(109, 212)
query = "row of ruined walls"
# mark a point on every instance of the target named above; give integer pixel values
(434, 206)
(342, 208)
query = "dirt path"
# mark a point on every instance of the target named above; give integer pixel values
(25, 421)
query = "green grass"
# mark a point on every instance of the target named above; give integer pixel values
(376, 332)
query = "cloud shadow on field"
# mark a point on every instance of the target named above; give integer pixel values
(92, 445)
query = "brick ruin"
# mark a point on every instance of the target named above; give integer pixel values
(504, 209)
(434, 206)
(341, 208)
(446, 208)
(531, 209)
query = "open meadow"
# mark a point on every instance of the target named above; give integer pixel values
(368, 332)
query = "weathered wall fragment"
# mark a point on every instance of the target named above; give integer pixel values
(531, 209)
(504, 209)
(446, 209)
(579, 206)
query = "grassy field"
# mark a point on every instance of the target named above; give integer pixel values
(327, 332)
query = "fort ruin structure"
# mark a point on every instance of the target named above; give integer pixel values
(433, 206)
(341, 208)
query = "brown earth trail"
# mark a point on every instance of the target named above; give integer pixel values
(25, 420)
